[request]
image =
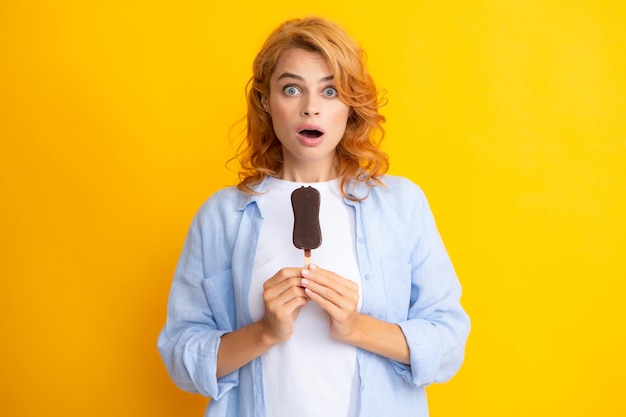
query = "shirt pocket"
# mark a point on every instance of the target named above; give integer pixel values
(397, 278)
(220, 296)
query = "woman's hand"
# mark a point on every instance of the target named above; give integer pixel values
(283, 296)
(337, 295)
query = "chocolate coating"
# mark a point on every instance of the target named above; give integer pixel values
(307, 233)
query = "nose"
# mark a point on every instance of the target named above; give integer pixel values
(311, 106)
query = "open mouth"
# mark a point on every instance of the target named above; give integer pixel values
(310, 134)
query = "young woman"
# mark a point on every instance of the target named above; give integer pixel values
(375, 318)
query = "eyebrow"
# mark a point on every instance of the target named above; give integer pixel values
(299, 78)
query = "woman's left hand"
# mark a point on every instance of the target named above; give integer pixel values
(337, 295)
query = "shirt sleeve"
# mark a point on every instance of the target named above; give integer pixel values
(199, 313)
(437, 326)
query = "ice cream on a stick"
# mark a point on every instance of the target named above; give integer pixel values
(307, 233)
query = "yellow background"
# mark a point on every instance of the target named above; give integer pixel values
(114, 128)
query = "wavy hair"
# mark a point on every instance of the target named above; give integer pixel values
(358, 154)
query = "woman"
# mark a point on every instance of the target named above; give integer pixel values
(375, 318)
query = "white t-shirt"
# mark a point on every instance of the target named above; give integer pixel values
(311, 374)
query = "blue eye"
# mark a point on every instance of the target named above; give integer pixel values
(290, 90)
(330, 92)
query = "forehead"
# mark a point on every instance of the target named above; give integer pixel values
(302, 63)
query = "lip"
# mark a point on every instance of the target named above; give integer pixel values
(308, 126)
(307, 141)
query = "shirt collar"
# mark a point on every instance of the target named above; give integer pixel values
(247, 198)
(353, 187)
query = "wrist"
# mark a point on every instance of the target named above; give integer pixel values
(267, 339)
(380, 337)
(356, 335)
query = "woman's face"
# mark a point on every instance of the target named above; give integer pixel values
(308, 117)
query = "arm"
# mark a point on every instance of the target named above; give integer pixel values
(381, 337)
(283, 298)
(420, 288)
(240, 347)
(436, 326)
(197, 345)
(200, 310)
(339, 297)
(427, 347)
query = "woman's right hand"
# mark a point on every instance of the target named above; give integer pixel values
(283, 296)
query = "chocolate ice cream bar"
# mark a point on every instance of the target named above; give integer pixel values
(307, 233)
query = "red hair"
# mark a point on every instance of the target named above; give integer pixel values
(358, 154)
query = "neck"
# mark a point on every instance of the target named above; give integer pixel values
(308, 173)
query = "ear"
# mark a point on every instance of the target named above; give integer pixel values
(265, 104)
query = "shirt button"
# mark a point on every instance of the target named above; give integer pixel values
(361, 240)
(367, 277)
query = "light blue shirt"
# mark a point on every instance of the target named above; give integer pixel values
(406, 277)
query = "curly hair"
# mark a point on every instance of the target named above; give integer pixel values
(358, 153)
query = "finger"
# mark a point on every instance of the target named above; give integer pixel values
(327, 305)
(287, 303)
(282, 275)
(331, 280)
(296, 303)
(283, 293)
(347, 301)
(283, 286)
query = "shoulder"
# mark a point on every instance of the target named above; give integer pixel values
(398, 183)
(398, 190)
(396, 198)
(225, 198)
(222, 207)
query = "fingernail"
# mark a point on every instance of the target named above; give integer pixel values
(304, 281)
(305, 272)
(312, 266)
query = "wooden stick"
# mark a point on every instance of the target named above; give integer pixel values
(307, 258)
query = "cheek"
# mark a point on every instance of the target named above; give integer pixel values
(342, 114)
(280, 111)
(280, 123)
(278, 119)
